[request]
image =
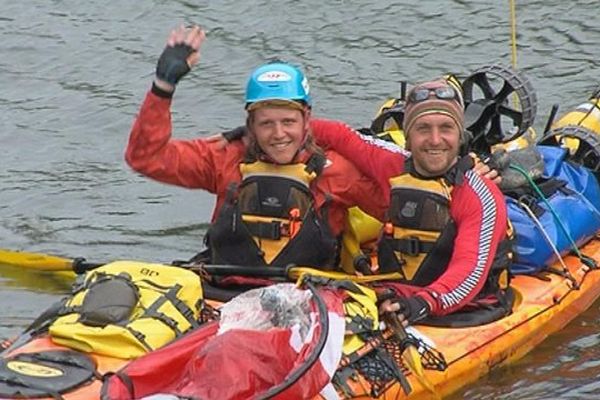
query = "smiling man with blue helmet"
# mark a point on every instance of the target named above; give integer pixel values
(271, 89)
(280, 198)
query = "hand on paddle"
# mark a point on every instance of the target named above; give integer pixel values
(407, 309)
(179, 56)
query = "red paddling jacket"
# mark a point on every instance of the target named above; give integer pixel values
(198, 164)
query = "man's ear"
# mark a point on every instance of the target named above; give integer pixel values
(307, 113)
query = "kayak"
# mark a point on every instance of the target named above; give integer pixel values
(384, 362)
(543, 305)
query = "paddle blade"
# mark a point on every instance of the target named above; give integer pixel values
(413, 360)
(411, 354)
(42, 262)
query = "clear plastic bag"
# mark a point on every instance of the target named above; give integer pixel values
(277, 306)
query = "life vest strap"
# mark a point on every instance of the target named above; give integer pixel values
(273, 230)
(412, 246)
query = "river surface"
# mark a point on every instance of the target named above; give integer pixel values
(73, 74)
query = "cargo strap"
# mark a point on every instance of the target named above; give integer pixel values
(152, 312)
(171, 296)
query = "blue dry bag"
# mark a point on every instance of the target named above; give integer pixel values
(573, 194)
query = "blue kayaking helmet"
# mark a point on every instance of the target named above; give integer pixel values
(277, 81)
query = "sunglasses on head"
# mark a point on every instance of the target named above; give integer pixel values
(442, 93)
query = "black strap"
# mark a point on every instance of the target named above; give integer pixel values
(323, 211)
(183, 308)
(140, 337)
(388, 360)
(267, 230)
(123, 377)
(411, 246)
(153, 312)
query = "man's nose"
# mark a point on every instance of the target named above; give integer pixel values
(279, 130)
(436, 136)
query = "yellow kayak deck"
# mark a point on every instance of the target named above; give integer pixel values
(543, 305)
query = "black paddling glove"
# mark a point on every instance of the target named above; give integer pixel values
(172, 64)
(414, 308)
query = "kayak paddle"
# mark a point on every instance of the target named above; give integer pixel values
(43, 262)
(51, 263)
(411, 354)
(291, 272)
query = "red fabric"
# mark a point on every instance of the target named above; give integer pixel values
(159, 368)
(379, 159)
(472, 259)
(197, 164)
(238, 364)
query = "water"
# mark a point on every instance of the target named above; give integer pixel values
(73, 74)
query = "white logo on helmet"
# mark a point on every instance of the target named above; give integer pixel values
(305, 85)
(274, 76)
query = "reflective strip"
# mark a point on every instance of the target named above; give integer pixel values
(383, 144)
(488, 222)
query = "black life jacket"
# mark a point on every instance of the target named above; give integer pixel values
(271, 220)
(418, 239)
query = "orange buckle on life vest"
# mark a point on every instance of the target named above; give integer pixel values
(295, 223)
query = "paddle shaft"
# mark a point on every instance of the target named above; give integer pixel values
(81, 266)
(253, 271)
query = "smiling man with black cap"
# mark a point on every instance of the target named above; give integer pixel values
(433, 126)
(446, 230)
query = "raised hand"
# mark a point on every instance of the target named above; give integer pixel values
(181, 53)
